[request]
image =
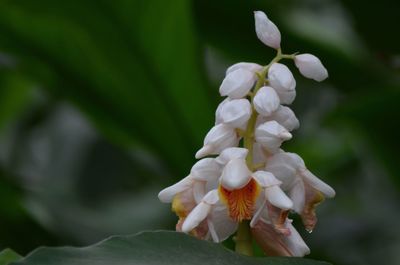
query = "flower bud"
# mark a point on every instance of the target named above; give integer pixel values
(218, 118)
(217, 139)
(231, 153)
(311, 67)
(237, 84)
(235, 174)
(235, 113)
(251, 67)
(285, 117)
(267, 31)
(271, 135)
(282, 80)
(266, 101)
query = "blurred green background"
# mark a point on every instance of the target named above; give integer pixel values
(103, 103)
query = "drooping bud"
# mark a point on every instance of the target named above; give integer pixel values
(231, 153)
(266, 30)
(218, 118)
(220, 136)
(235, 113)
(282, 80)
(271, 135)
(266, 101)
(311, 67)
(235, 174)
(237, 84)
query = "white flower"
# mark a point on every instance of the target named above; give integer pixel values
(218, 118)
(311, 67)
(235, 174)
(251, 67)
(219, 225)
(282, 80)
(303, 187)
(266, 30)
(266, 101)
(237, 84)
(234, 113)
(231, 153)
(220, 136)
(271, 135)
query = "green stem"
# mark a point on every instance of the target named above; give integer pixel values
(243, 237)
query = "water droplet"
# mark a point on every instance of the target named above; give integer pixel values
(309, 231)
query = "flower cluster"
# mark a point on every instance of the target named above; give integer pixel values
(259, 184)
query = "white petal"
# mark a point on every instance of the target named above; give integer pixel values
(199, 190)
(271, 135)
(218, 118)
(266, 30)
(206, 169)
(317, 184)
(222, 225)
(231, 153)
(279, 165)
(217, 139)
(295, 243)
(285, 117)
(196, 216)
(237, 84)
(259, 155)
(236, 113)
(266, 101)
(282, 80)
(235, 174)
(311, 67)
(168, 194)
(211, 197)
(266, 179)
(251, 67)
(297, 193)
(278, 198)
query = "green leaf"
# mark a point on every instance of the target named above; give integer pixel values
(148, 248)
(7, 256)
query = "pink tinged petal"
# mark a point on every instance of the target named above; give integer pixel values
(251, 67)
(275, 244)
(168, 194)
(285, 117)
(311, 67)
(183, 203)
(257, 215)
(221, 224)
(205, 169)
(271, 135)
(266, 30)
(196, 216)
(266, 101)
(282, 80)
(295, 243)
(235, 174)
(317, 184)
(278, 198)
(231, 153)
(237, 84)
(217, 139)
(236, 113)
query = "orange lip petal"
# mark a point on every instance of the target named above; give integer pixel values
(240, 202)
